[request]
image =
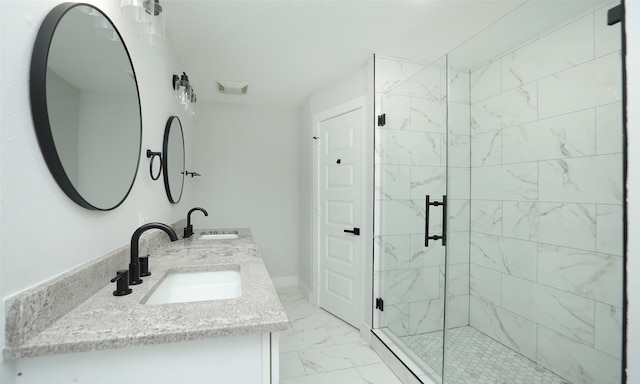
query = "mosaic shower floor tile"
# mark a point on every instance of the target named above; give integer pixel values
(476, 358)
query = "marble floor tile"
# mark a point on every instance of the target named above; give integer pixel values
(343, 376)
(319, 348)
(338, 357)
(290, 294)
(313, 321)
(378, 374)
(344, 334)
(300, 340)
(299, 307)
(290, 365)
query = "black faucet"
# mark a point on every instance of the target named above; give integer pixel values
(188, 230)
(134, 265)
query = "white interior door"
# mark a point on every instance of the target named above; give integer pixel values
(340, 214)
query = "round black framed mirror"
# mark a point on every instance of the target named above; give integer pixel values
(173, 159)
(86, 106)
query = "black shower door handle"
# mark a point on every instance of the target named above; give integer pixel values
(442, 237)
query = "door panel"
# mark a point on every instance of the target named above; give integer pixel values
(340, 209)
(340, 285)
(340, 176)
(340, 250)
(339, 213)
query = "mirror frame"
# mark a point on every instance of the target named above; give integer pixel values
(40, 111)
(165, 157)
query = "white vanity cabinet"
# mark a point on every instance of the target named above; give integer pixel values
(246, 359)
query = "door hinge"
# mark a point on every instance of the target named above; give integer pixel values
(380, 304)
(615, 15)
(382, 120)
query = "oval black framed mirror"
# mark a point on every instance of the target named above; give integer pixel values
(173, 159)
(86, 106)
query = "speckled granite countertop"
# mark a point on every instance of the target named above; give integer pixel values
(106, 321)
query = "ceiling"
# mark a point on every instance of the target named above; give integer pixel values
(287, 49)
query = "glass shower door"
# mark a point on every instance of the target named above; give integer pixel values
(411, 174)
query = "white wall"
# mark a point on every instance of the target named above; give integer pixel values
(31, 202)
(248, 158)
(305, 208)
(633, 208)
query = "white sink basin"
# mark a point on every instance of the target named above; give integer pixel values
(185, 287)
(218, 236)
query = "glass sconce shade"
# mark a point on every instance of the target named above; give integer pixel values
(176, 93)
(182, 89)
(184, 92)
(187, 105)
(138, 10)
(185, 98)
(191, 107)
(153, 32)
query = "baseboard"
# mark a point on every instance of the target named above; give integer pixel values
(285, 281)
(365, 332)
(308, 293)
(304, 289)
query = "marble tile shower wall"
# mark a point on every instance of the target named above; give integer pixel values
(410, 162)
(546, 191)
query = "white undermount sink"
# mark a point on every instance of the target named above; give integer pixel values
(218, 236)
(185, 287)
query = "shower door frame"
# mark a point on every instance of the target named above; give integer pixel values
(416, 365)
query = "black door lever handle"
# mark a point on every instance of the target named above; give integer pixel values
(355, 231)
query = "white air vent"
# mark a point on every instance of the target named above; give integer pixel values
(232, 87)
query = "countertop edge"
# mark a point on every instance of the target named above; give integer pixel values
(30, 351)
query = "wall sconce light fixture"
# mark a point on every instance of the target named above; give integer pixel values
(137, 10)
(184, 92)
(182, 88)
(149, 13)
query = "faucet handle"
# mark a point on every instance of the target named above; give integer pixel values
(144, 266)
(122, 287)
(188, 231)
